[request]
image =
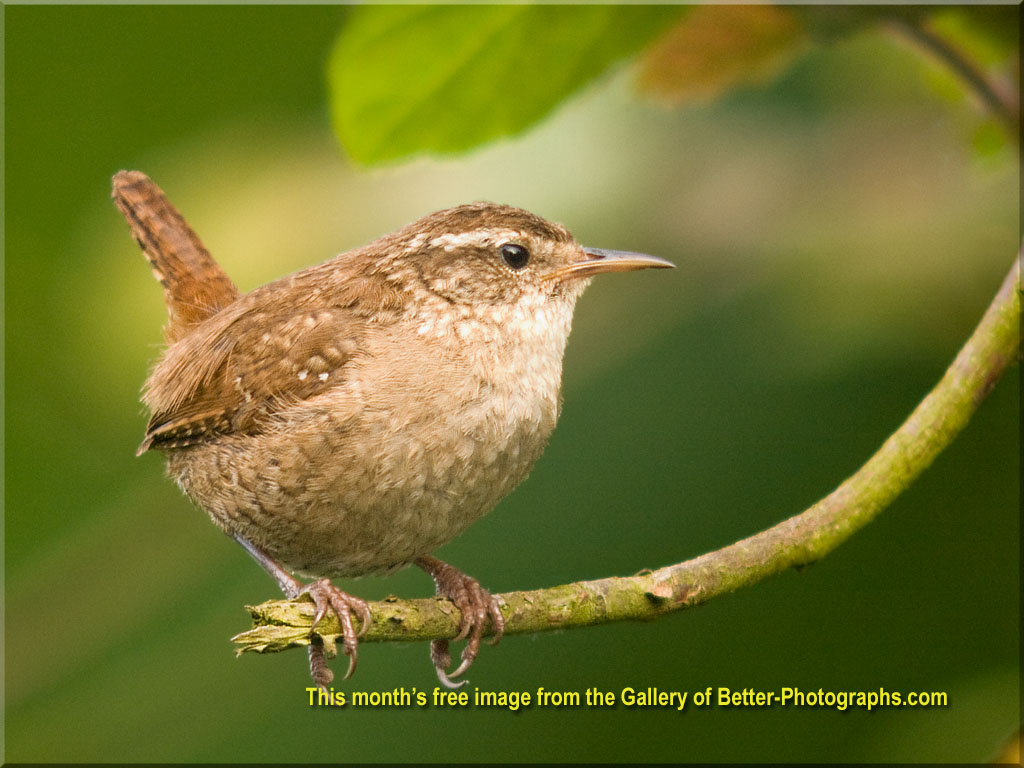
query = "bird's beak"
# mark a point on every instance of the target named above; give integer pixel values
(599, 260)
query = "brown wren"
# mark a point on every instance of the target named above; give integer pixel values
(352, 417)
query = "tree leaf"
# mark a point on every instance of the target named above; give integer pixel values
(718, 46)
(989, 34)
(411, 79)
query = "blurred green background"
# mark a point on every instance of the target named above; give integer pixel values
(838, 235)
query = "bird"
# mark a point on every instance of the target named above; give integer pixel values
(352, 417)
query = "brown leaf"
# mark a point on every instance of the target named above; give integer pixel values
(718, 46)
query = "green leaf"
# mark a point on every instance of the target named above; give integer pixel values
(989, 34)
(411, 79)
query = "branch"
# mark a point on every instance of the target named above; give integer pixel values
(798, 541)
(1003, 103)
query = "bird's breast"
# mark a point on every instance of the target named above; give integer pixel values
(427, 432)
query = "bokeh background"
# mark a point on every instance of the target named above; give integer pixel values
(838, 230)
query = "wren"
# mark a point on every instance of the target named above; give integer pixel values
(352, 417)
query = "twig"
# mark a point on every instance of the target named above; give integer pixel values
(1003, 104)
(800, 540)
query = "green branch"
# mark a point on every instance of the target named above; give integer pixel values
(1002, 102)
(800, 540)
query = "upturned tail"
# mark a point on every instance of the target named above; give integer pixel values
(195, 287)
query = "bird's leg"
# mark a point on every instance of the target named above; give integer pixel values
(325, 597)
(475, 603)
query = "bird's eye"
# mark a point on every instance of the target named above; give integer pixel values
(515, 255)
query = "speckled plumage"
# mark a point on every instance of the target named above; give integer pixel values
(352, 417)
(357, 414)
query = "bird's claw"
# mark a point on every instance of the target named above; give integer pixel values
(475, 604)
(325, 597)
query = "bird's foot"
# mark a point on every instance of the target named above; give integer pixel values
(475, 604)
(325, 597)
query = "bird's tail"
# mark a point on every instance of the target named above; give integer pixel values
(195, 287)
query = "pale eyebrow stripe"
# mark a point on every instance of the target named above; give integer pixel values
(487, 235)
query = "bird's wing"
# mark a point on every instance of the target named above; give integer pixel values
(234, 370)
